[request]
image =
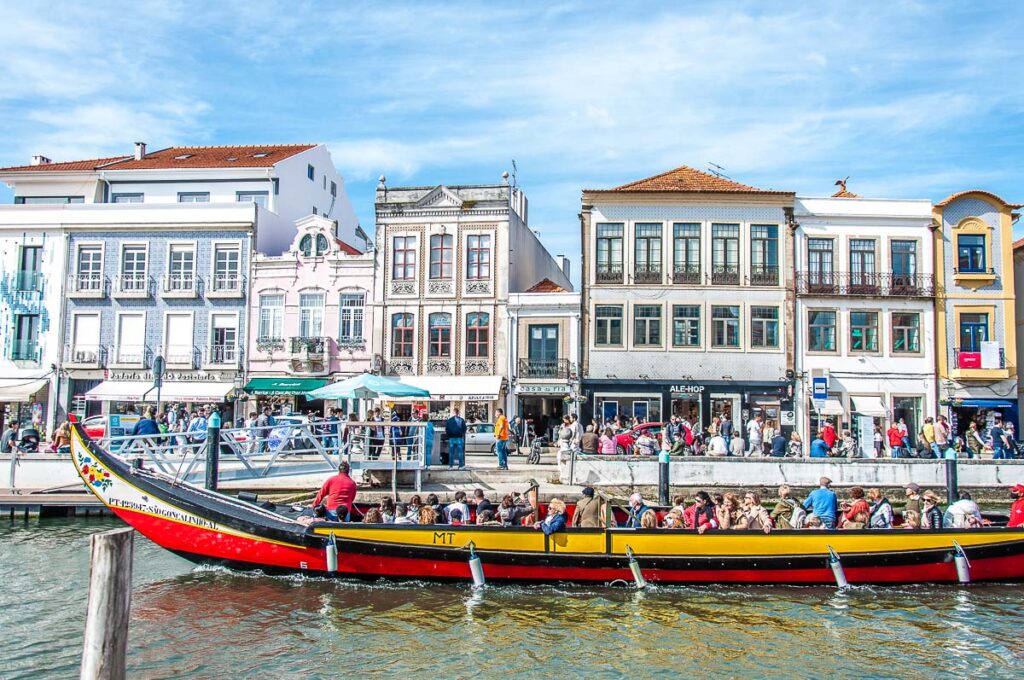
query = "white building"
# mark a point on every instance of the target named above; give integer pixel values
(289, 181)
(865, 310)
(448, 257)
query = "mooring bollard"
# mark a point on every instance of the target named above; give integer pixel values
(213, 451)
(952, 490)
(110, 603)
(663, 480)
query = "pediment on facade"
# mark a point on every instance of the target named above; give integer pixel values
(440, 197)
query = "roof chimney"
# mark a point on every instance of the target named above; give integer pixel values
(564, 264)
(40, 160)
(140, 150)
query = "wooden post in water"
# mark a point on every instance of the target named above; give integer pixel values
(110, 601)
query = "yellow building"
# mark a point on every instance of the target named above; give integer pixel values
(975, 318)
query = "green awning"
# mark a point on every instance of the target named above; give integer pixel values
(283, 385)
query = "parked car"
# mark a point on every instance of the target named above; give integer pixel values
(95, 426)
(624, 441)
(480, 439)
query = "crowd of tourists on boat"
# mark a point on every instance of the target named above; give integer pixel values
(821, 510)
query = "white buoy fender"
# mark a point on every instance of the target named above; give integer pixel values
(963, 565)
(476, 568)
(634, 567)
(332, 555)
(837, 568)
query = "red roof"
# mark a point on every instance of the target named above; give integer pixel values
(687, 179)
(252, 156)
(346, 248)
(546, 286)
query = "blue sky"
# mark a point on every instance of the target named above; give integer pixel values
(911, 99)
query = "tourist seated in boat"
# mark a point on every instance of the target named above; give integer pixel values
(402, 514)
(853, 507)
(912, 519)
(814, 522)
(932, 517)
(673, 520)
(704, 515)
(428, 515)
(753, 516)
(485, 518)
(880, 514)
(788, 513)
(373, 516)
(728, 510)
(964, 514)
(511, 513)
(481, 501)
(859, 521)
(337, 494)
(1017, 509)
(555, 520)
(588, 513)
(387, 510)
(640, 515)
(455, 517)
(823, 502)
(458, 504)
(685, 512)
(434, 502)
(415, 503)
(913, 502)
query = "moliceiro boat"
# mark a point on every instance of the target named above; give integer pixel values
(212, 528)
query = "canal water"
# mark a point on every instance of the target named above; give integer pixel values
(203, 623)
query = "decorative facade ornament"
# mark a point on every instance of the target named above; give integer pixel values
(400, 367)
(403, 288)
(478, 287)
(270, 345)
(439, 366)
(351, 343)
(477, 367)
(440, 287)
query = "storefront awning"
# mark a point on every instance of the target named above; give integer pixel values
(282, 386)
(20, 389)
(455, 387)
(139, 390)
(869, 406)
(831, 407)
(987, 403)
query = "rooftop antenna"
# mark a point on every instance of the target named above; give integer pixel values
(717, 170)
(515, 170)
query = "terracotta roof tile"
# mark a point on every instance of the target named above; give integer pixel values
(66, 166)
(252, 156)
(546, 286)
(346, 248)
(687, 179)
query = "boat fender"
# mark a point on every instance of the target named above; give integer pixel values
(963, 565)
(332, 554)
(837, 569)
(634, 567)
(476, 567)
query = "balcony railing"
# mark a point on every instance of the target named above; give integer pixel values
(869, 284)
(973, 360)
(25, 350)
(131, 285)
(609, 273)
(986, 271)
(92, 356)
(28, 280)
(136, 356)
(180, 356)
(544, 368)
(686, 274)
(222, 355)
(179, 284)
(86, 285)
(764, 275)
(227, 284)
(725, 275)
(647, 274)
(308, 345)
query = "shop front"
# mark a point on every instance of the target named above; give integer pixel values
(283, 395)
(861, 414)
(542, 405)
(476, 396)
(982, 412)
(129, 392)
(24, 400)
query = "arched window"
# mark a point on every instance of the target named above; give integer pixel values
(441, 334)
(306, 245)
(321, 245)
(402, 334)
(478, 335)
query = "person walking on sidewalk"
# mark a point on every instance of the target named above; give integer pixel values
(501, 436)
(455, 428)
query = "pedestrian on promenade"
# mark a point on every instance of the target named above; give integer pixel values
(754, 435)
(501, 434)
(455, 428)
(823, 502)
(819, 449)
(725, 427)
(778, 444)
(828, 434)
(736, 446)
(895, 437)
(1000, 442)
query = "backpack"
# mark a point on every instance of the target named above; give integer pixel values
(799, 515)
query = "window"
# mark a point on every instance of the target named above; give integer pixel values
(609, 252)
(334, 189)
(325, 181)
(131, 338)
(226, 266)
(647, 325)
(542, 351)
(764, 254)
(178, 338)
(193, 197)
(126, 198)
(402, 334)
(686, 325)
(862, 265)
(306, 245)
(906, 332)
(647, 261)
(608, 326)
(725, 324)
(85, 346)
(478, 256)
(863, 331)
(350, 313)
(271, 316)
(181, 267)
(441, 256)
(47, 200)
(764, 327)
(725, 253)
(133, 268)
(970, 249)
(223, 339)
(314, 210)
(821, 331)
(311, 315)
(90, 268)
(260, 198)
(686, 252)
(973, 331)
(904, 262)
(26, 338)
(478, 335)
(310, 172)
(440, 335)
(322, 245)
(30, 265)
(404, 266)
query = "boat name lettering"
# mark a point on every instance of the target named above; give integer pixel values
(444, 537)
(163, 512)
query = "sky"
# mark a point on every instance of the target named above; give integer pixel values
(908, 99)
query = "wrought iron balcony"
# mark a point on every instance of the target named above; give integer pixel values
(222, 355)
(686, 274)
(85, 356)
(609, 273)
(973, 360)
(725, 275)
(908, 285)
(180, 356)
(226, 285)
(87, 286)
(544, 368)
(308, 346)
(861, 283)
(764, 275)
(180, 285)
(134, 356)
(864, 284)
(131, 285)
(647, 274)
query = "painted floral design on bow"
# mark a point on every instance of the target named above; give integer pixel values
(94, 474)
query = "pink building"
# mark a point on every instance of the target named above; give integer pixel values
(310, 317)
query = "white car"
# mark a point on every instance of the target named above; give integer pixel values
(480, 439)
